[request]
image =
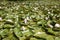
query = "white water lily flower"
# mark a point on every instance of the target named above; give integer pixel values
(57, 25)
(39, 32)
(25, 21)
(0, 7)
(48, 12)
(36, 8)
(28, 18)
(0, 18)
(23, 28)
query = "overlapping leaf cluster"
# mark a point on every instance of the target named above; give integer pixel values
(29, 21)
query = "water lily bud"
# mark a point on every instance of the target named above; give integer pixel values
(9, 20)
(50, 25)
(46, 18)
